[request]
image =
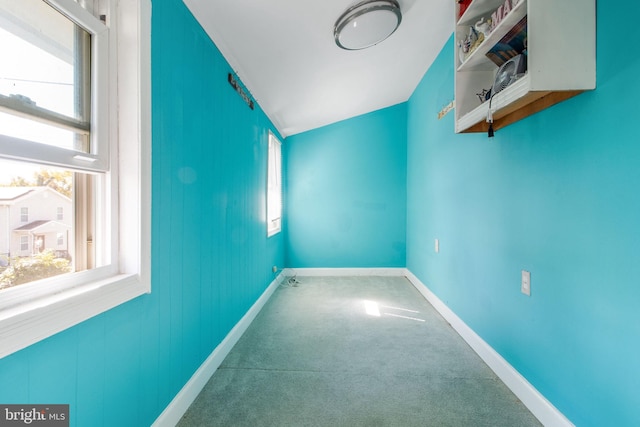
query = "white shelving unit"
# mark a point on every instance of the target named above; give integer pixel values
(561, 59)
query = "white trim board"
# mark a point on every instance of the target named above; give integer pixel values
(343, 272)
(185, 397)
(539, 406)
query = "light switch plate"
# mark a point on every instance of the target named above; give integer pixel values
(526, 283)
(436, 246)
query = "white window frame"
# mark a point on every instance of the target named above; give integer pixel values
(24, 214)
(36, 311)
(101, 52)
(274, 224)
(59, 213)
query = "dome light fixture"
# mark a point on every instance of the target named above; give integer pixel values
(367, 24)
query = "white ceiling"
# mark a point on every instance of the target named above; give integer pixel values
(285, 54)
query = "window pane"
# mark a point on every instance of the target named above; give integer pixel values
(44, 73)
(43, 245)
(274, 186)
(18, 127)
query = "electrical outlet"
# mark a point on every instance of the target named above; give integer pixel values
(274, 268)
(436, 246)
(525, 288)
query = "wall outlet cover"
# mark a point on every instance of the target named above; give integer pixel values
(525, 288)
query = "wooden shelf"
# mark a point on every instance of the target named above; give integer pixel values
(499, 102)
(561, 41)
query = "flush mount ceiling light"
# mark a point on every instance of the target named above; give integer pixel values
(367, 24)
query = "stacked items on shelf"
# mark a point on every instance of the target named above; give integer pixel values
(482, 28)
(512, 44)
(470, 43)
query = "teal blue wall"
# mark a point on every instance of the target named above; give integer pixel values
(346, 193)
(555, 194)
(211, 258)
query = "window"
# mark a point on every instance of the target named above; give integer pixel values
(75, 96)
(24, 243)
(274, 186)
(46, 101)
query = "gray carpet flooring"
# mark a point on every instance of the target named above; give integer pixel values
(353, 351)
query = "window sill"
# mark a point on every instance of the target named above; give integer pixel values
(271, 233)
(26, 324)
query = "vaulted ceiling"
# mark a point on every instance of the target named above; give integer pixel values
(285, 54)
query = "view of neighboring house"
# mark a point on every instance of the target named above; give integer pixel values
(34, 219)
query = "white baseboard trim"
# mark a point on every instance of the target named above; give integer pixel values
(539, 406)
(185, 397)
(343, 272)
